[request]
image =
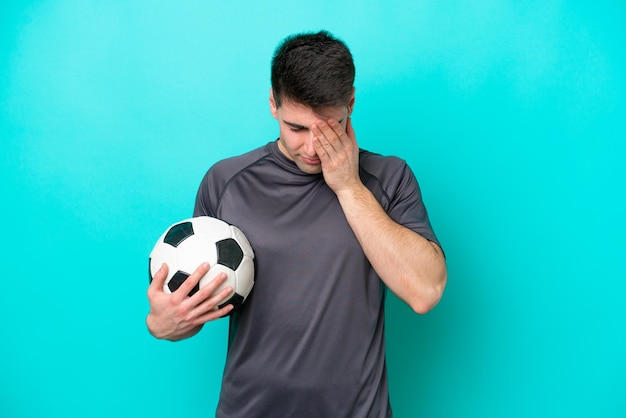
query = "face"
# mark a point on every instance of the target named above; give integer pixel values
(296, 139)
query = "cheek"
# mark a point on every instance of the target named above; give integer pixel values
(286, 137)
(293, 140)
(290, 145)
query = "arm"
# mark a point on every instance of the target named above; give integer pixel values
(411, 266)
(177, 316)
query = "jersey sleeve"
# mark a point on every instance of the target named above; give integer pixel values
(215, 181)
(394, 185)
(406, 206)
(206, 197)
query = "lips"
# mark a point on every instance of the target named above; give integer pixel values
(311, 161)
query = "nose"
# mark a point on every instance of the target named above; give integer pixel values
(309, 147)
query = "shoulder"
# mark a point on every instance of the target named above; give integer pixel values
(387, 170)
(373, 162)
(389, 178)
(230, 167)
(220, 175)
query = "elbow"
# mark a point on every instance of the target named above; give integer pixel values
(423, 307)
(426, 303)
(427, 298)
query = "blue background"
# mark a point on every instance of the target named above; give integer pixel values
(510, 113)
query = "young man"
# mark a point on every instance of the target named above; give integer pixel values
(333, 227)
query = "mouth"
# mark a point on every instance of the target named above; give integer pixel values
(311, 161)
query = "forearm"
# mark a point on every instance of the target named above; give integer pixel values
(411, 266)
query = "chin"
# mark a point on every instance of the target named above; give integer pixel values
(310, 169)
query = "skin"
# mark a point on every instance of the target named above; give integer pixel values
(321, 141)
(177, 316)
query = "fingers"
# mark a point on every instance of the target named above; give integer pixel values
(158, 280)
(194, 278)
(334, 143)
(175, 315)
(336, 147)
(203, 305)
(215, 314)
(209, 305)
(332, 137)
(327, 143)
(206, 293)
(329, 134)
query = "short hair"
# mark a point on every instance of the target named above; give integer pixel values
(314, 69)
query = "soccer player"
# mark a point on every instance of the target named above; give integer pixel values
(333, 227)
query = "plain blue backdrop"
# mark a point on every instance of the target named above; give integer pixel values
(510, 113)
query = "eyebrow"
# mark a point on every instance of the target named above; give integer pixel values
(295, 125)
(298, 126)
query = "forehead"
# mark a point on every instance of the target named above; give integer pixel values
(293, 109)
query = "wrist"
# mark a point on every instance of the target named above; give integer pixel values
(152, 328)
(357, 192)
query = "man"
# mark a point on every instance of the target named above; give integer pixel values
(333, 227)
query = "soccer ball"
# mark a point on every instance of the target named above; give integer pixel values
(188, 243)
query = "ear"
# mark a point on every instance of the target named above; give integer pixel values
(351, 103)
(273, 107)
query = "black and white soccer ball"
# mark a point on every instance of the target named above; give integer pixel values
(191, 242)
